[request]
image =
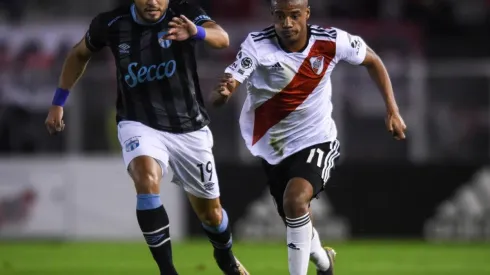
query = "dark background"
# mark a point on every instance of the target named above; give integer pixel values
(438, 59)
(378, 200)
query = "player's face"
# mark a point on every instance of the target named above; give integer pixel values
(290, 20)
(151, 10)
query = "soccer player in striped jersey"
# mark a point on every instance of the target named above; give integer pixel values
(161, 118)
(286, 119)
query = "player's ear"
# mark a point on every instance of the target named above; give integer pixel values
(308, 12)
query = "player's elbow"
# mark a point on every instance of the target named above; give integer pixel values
(216, 36)
(81, 52)
(79, 56)
(223, 41)
(226, 40)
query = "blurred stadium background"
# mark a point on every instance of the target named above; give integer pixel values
(418, 207)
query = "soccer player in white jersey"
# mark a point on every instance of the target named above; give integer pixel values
(287, 120)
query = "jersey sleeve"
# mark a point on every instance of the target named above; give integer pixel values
(350, 48)
(246, 61)
(96, 36)
(195, 13)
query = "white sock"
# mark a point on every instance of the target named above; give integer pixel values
(318, 255)
(299, 244)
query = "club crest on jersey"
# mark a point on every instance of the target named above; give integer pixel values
(164, 43)
(317, 63)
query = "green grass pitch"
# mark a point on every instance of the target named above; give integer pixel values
(195, 257)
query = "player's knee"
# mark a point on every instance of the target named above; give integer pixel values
(211, 216)
(147, 182)
(297, 197)
(295, 207)
(146, 174)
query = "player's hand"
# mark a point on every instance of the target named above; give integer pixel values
(181, 28)
(395, 125)
(54, 122)
(222, 92)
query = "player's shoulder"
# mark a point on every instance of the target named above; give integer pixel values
(108, 18)
(260, 39)
(181, 6)
(324, 33)
(190, 9)
(264, 36)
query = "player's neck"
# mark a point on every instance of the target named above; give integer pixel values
(296, 46)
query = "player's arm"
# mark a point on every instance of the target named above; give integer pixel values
(354, 50)
(79, 56)
(224, 90)
(199, 25)
(380, 76)
(245, 64)
(73, 68)
(215, 36)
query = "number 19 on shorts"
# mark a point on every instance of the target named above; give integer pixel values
(206, 169)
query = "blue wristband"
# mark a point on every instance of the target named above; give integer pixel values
(60, 97)
(201, 33)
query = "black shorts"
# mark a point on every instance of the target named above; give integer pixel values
(313, 164)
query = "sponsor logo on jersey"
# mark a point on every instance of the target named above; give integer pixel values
(276, 67)
(317, 63)
(141, 74)
(124, 48)
(164, 43)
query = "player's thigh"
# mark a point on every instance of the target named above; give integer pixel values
(314, 164)
(192, 161)
(139, 141)
(277, 183)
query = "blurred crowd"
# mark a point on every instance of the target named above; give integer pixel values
(457, 124)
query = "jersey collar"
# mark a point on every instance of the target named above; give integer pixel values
(137, 20)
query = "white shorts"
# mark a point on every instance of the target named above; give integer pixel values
(189, 155)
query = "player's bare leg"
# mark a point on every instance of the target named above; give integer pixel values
(296, 201)
(153, 220)
(215, 223)
(320, 256)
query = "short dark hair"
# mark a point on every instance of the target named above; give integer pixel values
(296, 2)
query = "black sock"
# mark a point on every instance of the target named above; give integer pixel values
(154, 224)
(221, 239)
(220, 236)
